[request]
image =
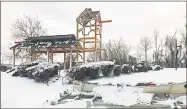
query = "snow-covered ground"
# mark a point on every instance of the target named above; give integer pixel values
(17, 92)
(159, 77)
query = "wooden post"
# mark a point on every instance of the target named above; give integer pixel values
(95, 40)
(77, 53)
(70, 56)
(34, 55)
(52, 57)
(100, 41)
(31, 55)
(64, 60)
(47, 55)
(84, 46)
(14, 58)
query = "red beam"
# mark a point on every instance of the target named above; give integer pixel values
(106, 21)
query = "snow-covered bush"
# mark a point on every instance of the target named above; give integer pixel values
(117, 70)
(125, 69)
(107, 70)
(38, 70)
(90, 70)
(156, 67)
(140, 67)
(94, 72)
(149, 68)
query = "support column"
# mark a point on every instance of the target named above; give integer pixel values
(34, 55)
(84, 46)
(77, 53)
(100, 41)
(52, 57)
(47, 55)
(31, 55)
(95, 40)
(70, 57)
(65, 61)
(14, 58)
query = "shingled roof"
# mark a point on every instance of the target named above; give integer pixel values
(88, 14)
(55, 41)
(53, 37)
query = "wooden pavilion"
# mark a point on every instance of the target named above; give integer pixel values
(88, 39)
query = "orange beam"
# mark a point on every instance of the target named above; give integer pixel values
(106, 21)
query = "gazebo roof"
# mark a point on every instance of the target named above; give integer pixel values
(44, 42)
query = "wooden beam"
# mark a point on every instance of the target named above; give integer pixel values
(91, 25)
(52, 57)
(64, 61)
(84, 46)
(92, 41)
(95, 40)
(70, 57)
(106, 21)
(77, 57)
(100, 32)
(47, 55)
(84, 38)
(14, 58)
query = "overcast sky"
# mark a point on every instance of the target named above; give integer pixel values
(130, 20)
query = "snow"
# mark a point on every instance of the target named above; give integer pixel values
(182, 99)
(126, 96)
(159, 77)
(155, 66)
(97, 64)
(18, 92)
(72, 104)
(168, 102)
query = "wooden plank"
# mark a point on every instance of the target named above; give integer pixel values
(91, 25)
(14, 58)
(106, 21)
(70, 57)
(64, 61)
(82, 38)
(95, 40)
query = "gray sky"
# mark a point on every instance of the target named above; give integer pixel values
(130, 20)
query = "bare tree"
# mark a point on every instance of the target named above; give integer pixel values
(156, 36)
(114, 50)
(138, 54)
(145, 44)
(25, 27)
(170, 49)
(184, 45)
(158, 44)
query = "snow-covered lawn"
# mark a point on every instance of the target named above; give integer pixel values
(159, 77)
(17, 92)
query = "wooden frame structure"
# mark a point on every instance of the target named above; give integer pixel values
(89, 22)
(87, 39)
